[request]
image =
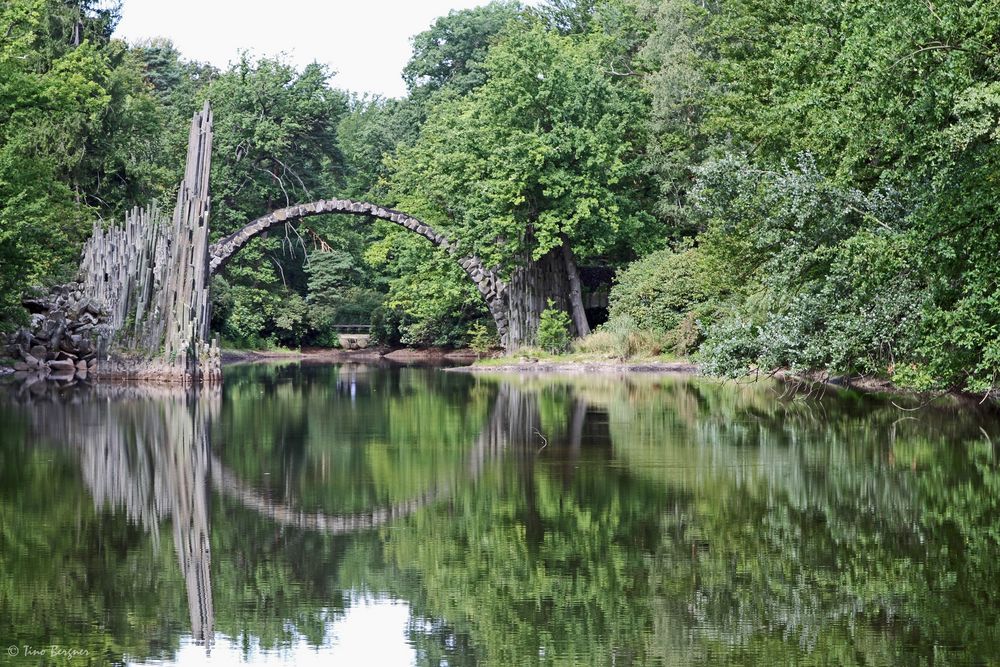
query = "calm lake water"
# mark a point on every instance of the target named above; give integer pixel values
(380, 516)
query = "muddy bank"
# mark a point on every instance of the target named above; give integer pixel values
(581, 367)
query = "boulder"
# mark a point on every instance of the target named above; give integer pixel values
(92, 307)
(62, 366)
(36, 305)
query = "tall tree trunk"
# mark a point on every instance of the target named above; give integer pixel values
(575, 296)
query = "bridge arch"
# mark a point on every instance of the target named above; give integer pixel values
(491, 287)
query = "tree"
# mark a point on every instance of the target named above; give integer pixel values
(537, 165)
(673, 63)
(275, 145)
(569, 16)
(453, 51)
(54, 96)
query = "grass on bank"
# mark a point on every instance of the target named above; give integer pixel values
(262, 345)
(538, 354)
(606, 344)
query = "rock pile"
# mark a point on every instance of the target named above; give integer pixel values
(61, 341)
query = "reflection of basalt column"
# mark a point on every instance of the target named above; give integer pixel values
(187, 466)
(515, 423)
(148, 450)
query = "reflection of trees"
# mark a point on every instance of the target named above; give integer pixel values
(632, 521)
(293, 435)
(837, 530)
(492, 441)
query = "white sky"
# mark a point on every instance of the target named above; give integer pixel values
(367, 42)
(371, 632)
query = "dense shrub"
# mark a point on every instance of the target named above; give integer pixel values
(666, 293)
(827, 273)
(386, 323)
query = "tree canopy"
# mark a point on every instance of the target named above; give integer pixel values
(816, 178)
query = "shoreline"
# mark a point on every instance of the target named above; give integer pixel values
(808, 382)
(466, 361)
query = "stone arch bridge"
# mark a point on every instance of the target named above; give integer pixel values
(487, 281)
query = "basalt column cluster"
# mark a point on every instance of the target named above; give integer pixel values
(140, 308)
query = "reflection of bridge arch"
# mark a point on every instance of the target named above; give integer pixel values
(490, 286)
(228, 483)
(492, 440)
(512, 420)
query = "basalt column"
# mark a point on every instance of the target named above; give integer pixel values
(150, 278)
(530, 287)
(187, 349)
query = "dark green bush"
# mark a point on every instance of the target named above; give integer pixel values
(386, 323)
(666, 293)
(826, 274)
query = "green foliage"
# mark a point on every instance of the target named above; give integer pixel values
(823, 272)
(672, 58)
(545, 150)
(367, 134)
(385, 326)
(668, 290)
(452, 52)
(569, 16)
(73, 112)
(431, 294)
(553, 329)
(896, 102)
(483, 338)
